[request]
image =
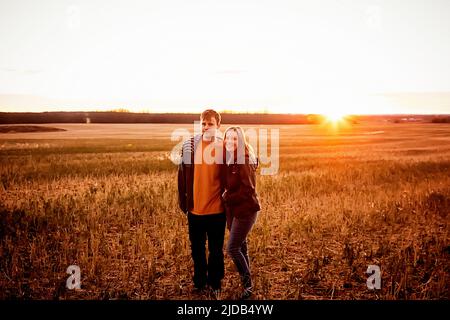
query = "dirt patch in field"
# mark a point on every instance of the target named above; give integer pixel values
(14, 129)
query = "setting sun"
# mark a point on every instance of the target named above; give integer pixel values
(335, 116)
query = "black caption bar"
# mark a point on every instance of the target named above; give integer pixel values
(221, 309)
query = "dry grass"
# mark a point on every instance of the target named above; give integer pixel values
(343, 199)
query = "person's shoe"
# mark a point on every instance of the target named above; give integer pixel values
(199, 290)
(216, 294)
(247, 293)
(247, 283)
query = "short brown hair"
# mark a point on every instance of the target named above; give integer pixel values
(209, 114)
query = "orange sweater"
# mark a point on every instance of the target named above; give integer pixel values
(207, 188)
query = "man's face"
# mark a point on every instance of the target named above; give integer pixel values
(209, 127)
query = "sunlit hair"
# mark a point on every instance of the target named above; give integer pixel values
(243, 149)
(209, 114)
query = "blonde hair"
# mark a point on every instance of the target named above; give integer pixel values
(242, 143)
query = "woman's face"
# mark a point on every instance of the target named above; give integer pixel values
(231, 141)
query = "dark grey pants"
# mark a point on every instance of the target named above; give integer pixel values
(237, 244)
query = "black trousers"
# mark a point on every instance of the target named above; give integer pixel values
(209, 227)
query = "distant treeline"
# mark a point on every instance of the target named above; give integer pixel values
(441, 120)
(231, 118)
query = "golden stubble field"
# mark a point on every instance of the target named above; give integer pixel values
(104, 197)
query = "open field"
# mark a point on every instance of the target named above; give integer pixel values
(104, 197)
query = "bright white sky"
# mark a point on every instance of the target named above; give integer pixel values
(263, 55)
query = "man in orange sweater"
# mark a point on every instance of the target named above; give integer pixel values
(200, 186)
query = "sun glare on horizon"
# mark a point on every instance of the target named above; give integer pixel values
(334, 116)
